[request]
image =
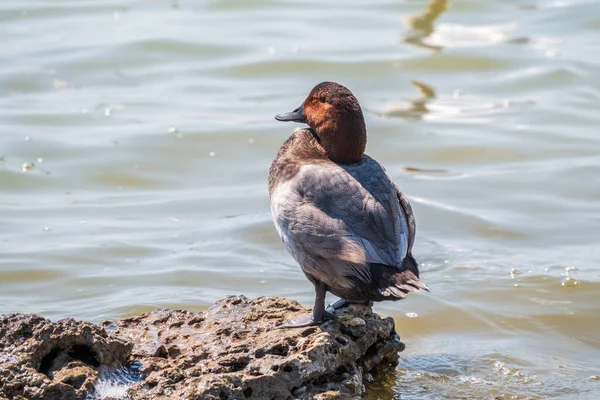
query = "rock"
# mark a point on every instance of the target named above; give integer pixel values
(230, 351)
(40, 359)
(351, 321)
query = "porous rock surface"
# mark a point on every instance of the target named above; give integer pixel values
(40, 359)
(230, 351)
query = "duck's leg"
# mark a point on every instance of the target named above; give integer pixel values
(319, 314)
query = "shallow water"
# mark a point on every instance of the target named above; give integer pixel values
(137, 135)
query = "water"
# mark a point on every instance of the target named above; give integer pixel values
(114, 381)
(137, 135)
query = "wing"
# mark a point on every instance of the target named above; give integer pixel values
(345, 217)
(410, 218)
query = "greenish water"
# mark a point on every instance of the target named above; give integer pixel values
(136, 138)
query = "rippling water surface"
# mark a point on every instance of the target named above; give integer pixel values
(136, 138)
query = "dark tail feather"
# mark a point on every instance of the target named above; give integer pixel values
(410, 281)
(398, 284)
(409, 263)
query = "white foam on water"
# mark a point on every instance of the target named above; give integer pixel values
(114, 382)
(110, 390)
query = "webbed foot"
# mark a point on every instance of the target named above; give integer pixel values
(306, 320)
(344, 303)
(337, 305)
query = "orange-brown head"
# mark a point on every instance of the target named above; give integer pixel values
(333, 113)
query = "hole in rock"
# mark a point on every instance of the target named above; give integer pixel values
(371, 351)
(248, 392)
(77, 381)
(240, 364)
(79, 352)
(161, 352)
(280, 349)
(84, 353)
(308, 332)
(47, 360)
(341, 340)
(236, 364)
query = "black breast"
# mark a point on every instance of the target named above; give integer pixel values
(301, 148)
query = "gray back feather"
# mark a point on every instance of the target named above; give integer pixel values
(342, 217)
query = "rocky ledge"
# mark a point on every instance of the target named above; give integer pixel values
(230, 351)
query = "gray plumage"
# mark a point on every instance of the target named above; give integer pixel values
(337, 210)
(346, 226)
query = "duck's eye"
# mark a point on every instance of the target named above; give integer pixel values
(322, 99)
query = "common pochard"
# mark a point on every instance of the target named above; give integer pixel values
(337, 210)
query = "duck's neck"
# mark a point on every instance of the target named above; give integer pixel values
(345, 142)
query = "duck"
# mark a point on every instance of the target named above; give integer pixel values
(337, 211)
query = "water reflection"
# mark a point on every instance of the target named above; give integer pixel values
(420, 26)
(417, 170)
(417, 107)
